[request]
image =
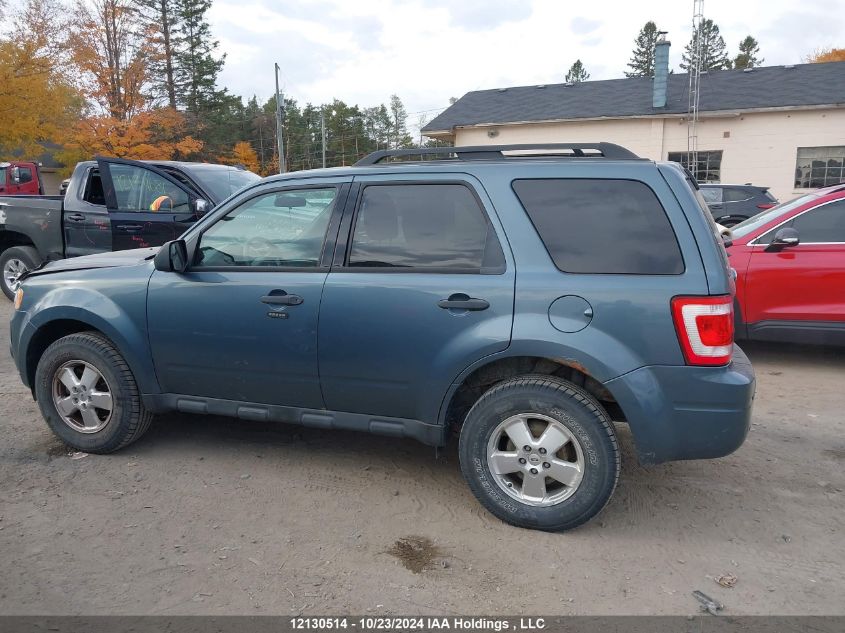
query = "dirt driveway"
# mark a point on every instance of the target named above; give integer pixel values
(217, 516)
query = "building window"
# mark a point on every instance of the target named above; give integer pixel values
(706, 166)
(819, 167)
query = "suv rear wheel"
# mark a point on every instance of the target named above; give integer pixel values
(539, 452)
(88, 395)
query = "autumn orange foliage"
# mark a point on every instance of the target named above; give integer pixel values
(243, 154)
(149, 135)
(823, 55)
(36, 102)
(109, 55)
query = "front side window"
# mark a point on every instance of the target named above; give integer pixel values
(824, 224)
(819, 166)
(601, 226)
(423, 226)
(277, 229)
(25, 174)
(140, 190)
(706, 166)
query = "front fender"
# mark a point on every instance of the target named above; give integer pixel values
(122, 321)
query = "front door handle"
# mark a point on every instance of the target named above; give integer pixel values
(281, 299)
(129, 228)
(455, 303)
(75, 217)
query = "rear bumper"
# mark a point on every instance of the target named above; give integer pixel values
(687, 412)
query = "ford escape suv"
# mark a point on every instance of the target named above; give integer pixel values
(522, 297)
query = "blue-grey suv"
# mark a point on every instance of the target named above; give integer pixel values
(522, 297)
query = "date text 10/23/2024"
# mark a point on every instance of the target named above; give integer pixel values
(456, 623)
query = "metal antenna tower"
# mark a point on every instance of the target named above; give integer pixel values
(694, 86)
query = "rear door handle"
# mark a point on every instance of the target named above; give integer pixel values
(282, 299)
(75, 217)
(129, 228)
(463, 304)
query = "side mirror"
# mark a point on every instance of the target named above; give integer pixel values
(16, 175)
(784, 238)
(172, 257)
(200, 207)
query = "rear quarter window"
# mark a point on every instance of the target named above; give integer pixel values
(601, 226)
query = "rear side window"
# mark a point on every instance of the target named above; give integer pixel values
(424, 226)
(711, 194)
(601, 226)
(733, 194)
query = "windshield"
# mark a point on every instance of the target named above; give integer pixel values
(222, 181)
(755, 222)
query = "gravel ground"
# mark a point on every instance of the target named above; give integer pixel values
(217, 516)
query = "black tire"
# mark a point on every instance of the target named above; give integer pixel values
(733, 221)
(129, 419)
(25, 254)
(567, 404)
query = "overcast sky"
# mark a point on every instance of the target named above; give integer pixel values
(362, 51)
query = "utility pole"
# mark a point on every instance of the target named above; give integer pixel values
(323, 134)
(280, 141)
(694, 87)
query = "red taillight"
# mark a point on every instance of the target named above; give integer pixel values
(705, 328)
(765, 206)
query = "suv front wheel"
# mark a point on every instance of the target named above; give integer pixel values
(539, 452)
(88, 395)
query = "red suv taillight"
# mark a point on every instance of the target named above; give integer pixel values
(766, 205)
(705, 328)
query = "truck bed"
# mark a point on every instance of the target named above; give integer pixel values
(38, 218)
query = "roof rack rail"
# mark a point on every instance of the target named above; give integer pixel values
(501, 152)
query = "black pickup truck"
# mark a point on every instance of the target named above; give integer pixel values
(110, 205)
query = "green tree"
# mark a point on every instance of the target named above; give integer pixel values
(749, 49)
(378, 125)
(642, 57)
(399, 124)
(197, 64)
(714, 54)
(161, 22)
(577, 73)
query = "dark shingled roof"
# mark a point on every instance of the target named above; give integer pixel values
(766, 87)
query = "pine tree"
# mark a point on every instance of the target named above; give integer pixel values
(577, 73)
(714, 55)
(161, 22)
(749, 49)
(197, 65)
(399, 124)
(642, 57)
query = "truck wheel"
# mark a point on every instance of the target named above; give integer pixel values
(88, 395)
(13, 263)
(539, 452)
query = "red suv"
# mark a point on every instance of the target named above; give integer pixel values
(790, 265)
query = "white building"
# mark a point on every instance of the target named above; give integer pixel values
(778, 126)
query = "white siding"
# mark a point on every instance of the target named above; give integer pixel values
(760, 147)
